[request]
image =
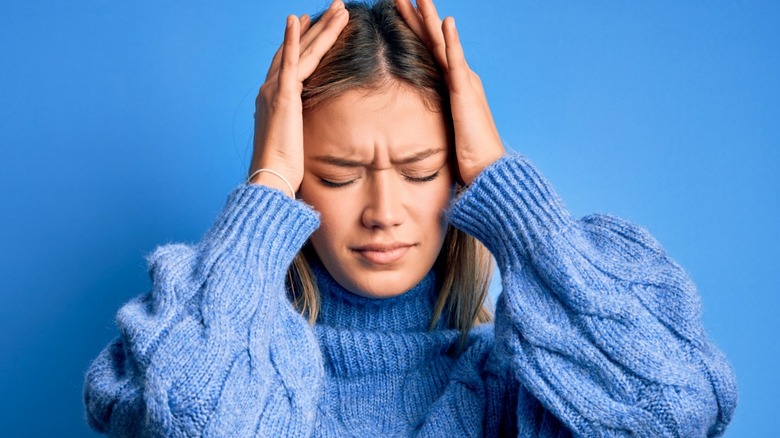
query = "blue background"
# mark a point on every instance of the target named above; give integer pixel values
(126, 124)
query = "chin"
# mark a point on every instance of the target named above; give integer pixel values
(380, 284)
(371, 280)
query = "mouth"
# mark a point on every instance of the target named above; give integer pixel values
(383, 254)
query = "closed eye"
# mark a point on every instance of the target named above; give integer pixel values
(423, 179)
(329, 183)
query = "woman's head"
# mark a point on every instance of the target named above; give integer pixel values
(378, 166)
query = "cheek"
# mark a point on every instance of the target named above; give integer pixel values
(327, 238)
(431, 203)
(336, 213)
(445, 189)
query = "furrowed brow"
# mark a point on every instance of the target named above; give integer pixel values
(341, 162)
(346, 162)
(418, 156)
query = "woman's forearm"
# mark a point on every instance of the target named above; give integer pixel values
(604, 328)
(194, 355)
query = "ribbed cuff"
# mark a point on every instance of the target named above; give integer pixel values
(511, 208)
(261, 227)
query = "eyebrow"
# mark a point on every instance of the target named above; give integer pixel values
(346, 162)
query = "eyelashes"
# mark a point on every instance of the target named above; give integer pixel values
(424, 178)
(327, 183)
(411, 179)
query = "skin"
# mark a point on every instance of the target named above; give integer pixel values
(381, 191)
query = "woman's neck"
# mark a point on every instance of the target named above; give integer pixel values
(408, 312)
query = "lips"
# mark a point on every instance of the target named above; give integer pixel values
(383, 253)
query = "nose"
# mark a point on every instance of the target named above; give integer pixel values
(384, 207)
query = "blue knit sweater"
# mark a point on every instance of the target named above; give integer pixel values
(597, 332)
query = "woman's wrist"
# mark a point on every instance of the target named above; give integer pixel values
(470, 173)
(271, 179)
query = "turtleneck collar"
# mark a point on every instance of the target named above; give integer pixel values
(408, 312)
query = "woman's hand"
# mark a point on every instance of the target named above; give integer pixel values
(477, 143)
(278, 140)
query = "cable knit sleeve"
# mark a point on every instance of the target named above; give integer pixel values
(597, 321)
(215, 349)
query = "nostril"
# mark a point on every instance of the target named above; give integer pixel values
(384, 206)
(382, 214)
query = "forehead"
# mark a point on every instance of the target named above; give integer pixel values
(381, 124)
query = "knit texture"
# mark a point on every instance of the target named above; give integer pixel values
(597, 333)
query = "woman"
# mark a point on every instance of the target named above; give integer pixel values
(360, 310)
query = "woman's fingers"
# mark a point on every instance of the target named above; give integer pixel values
(312, 55)
(432, 24)
(273, 69)
(308, 34)
(288, 69)
(459, 73)
(305, 24)
(412, 19)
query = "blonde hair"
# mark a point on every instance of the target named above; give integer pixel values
(377, 49)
